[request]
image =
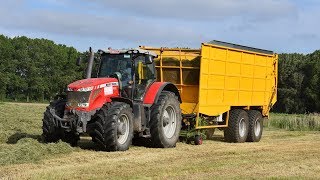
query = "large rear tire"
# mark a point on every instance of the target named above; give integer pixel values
(165, 121)
(50, 130)
(237, 130)
(255, 126)
(113, 128)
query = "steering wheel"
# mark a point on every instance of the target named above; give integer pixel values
(124, 74)
(118, 76)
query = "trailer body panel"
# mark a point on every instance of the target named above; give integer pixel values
(236, 78)
(216, 78)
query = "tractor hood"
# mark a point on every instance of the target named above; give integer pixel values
(91, 84)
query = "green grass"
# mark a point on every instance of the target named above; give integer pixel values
(20, 135)
(280, 154)
(28, 150)
(294, 122)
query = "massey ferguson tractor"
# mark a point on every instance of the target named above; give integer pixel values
(123, 101)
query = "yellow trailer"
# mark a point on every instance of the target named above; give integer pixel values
(222, 85)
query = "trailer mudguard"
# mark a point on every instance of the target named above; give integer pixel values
(154, 91)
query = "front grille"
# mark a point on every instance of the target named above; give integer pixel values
(76, 97)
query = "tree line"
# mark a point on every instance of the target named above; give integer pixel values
(298, 83)
(35, 70)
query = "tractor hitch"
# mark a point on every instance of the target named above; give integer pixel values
(77, 120)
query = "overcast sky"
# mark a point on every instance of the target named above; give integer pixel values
(278, 25)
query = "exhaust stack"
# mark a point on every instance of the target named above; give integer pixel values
(90, 63)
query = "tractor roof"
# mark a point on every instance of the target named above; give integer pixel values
(128, 51)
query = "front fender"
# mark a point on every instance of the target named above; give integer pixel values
(122, 99)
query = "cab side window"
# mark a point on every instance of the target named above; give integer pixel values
(144, 76)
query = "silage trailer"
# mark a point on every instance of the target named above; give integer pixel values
(222, 85)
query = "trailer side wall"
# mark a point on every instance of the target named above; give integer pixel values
(216, 78)
(180, 66)
(236, 78)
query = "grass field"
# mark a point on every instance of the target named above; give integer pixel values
(280, 154)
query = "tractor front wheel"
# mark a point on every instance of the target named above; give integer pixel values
(114, 127)
(51, 132)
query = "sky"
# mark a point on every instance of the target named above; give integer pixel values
(283, 26)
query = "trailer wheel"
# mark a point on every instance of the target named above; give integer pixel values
(237, 130)
(114, 127)
(50, 131)
(255, 126)
(165, 121)
(198, 140)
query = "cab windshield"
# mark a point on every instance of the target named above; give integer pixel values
(112, 63)
(134, 76)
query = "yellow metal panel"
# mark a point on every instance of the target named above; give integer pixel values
(248, 58)
(224, 77)
(232, 77)
(181, 67)
(188, 108)
(247, 70)
(217, 81)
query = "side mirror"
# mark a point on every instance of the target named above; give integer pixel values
(148, 59)
(79, 59)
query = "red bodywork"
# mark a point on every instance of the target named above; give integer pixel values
(101, 90)
(152, 93)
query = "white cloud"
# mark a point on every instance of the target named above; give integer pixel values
(281, 25)
(202, 10)
(114, 28)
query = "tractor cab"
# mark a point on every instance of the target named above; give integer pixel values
(133, 68)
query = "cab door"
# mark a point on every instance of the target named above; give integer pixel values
(144, 75)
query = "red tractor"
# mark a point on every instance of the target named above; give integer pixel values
(123, 102)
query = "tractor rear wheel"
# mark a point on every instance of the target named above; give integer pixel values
(237, 130)
(255, 126)
(50, 130)
(113, 128)
(165, 121)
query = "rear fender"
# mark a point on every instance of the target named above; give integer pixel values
(154, 91)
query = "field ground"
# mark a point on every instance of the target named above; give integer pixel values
(280, 154)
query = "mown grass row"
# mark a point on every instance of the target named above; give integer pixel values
(294, 122)
(29, 150)
(20, 135)
(20, 132)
